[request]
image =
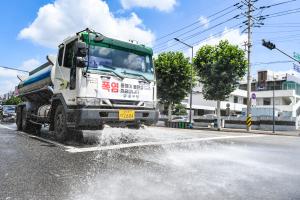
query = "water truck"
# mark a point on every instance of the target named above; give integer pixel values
(93, 81)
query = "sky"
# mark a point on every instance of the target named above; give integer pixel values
(33, 29)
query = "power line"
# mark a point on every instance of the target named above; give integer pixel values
(276, 4)
(210, 37)
(177, 36)
(198, 33)
(10, 68)
(284, 14)
(210, 21)
(221, 33)
(196, 22)
(287, 31)
(281, 13)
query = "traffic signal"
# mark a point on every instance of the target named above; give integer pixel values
(268, 44)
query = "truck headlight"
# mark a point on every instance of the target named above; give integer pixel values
(88, 101)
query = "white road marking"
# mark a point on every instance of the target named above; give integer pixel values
(72, 149)
(2, 126)
(143, 144)
(44, 140)
(36, 137)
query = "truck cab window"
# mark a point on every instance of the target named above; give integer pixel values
(60, 55)
(69, 55)
(69, 63)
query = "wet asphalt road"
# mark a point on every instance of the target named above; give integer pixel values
(251, 167)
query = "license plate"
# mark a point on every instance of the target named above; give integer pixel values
(126, 115)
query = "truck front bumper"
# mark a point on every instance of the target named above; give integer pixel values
(91, 118)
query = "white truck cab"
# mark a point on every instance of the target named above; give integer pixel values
(94, 80)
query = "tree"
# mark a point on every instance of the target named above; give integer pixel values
(174, 74)
(13, 101)
(179, 110)
(220, 68)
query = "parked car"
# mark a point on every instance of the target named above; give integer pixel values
(210, 116)
(180, 119)
(8, 113)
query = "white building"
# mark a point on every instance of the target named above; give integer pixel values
(234, 104)
(287, 97)
(286, 92)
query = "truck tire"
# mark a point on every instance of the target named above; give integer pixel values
(19, 118)
(60, 124)
(26, 125)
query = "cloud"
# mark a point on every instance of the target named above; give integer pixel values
(204, 21)
(8, 78)
(30, 64)
(161, 5)
(232, 35)
(7, 86)
(55, 21)
(7, 73)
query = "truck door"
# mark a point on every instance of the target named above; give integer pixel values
(65, 73)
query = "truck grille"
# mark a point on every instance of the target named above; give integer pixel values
(124, 102)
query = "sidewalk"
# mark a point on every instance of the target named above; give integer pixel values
(282, 133)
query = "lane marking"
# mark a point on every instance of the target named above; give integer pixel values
(123, 146)
(43, 140)
(36, 137)
(2, 126)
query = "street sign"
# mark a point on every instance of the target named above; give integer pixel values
(253, 96)
(249, 121)
(296, 56)
(296, 67)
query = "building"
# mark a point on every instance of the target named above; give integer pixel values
(234, 105)
(286, 92)
(286, 89)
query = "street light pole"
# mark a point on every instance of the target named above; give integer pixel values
(191, 80)
(274, 103)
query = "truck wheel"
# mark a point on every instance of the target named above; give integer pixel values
(19, 118)
(60, 124)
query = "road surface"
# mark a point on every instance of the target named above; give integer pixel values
(152, 163)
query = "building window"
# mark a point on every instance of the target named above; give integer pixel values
(245, 101)
(267, 101)
(235, 99)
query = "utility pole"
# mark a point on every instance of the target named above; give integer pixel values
(249, 16)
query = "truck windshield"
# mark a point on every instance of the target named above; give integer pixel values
(103, 57)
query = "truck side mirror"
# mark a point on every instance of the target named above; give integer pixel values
(81, 49)
(80, 62)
